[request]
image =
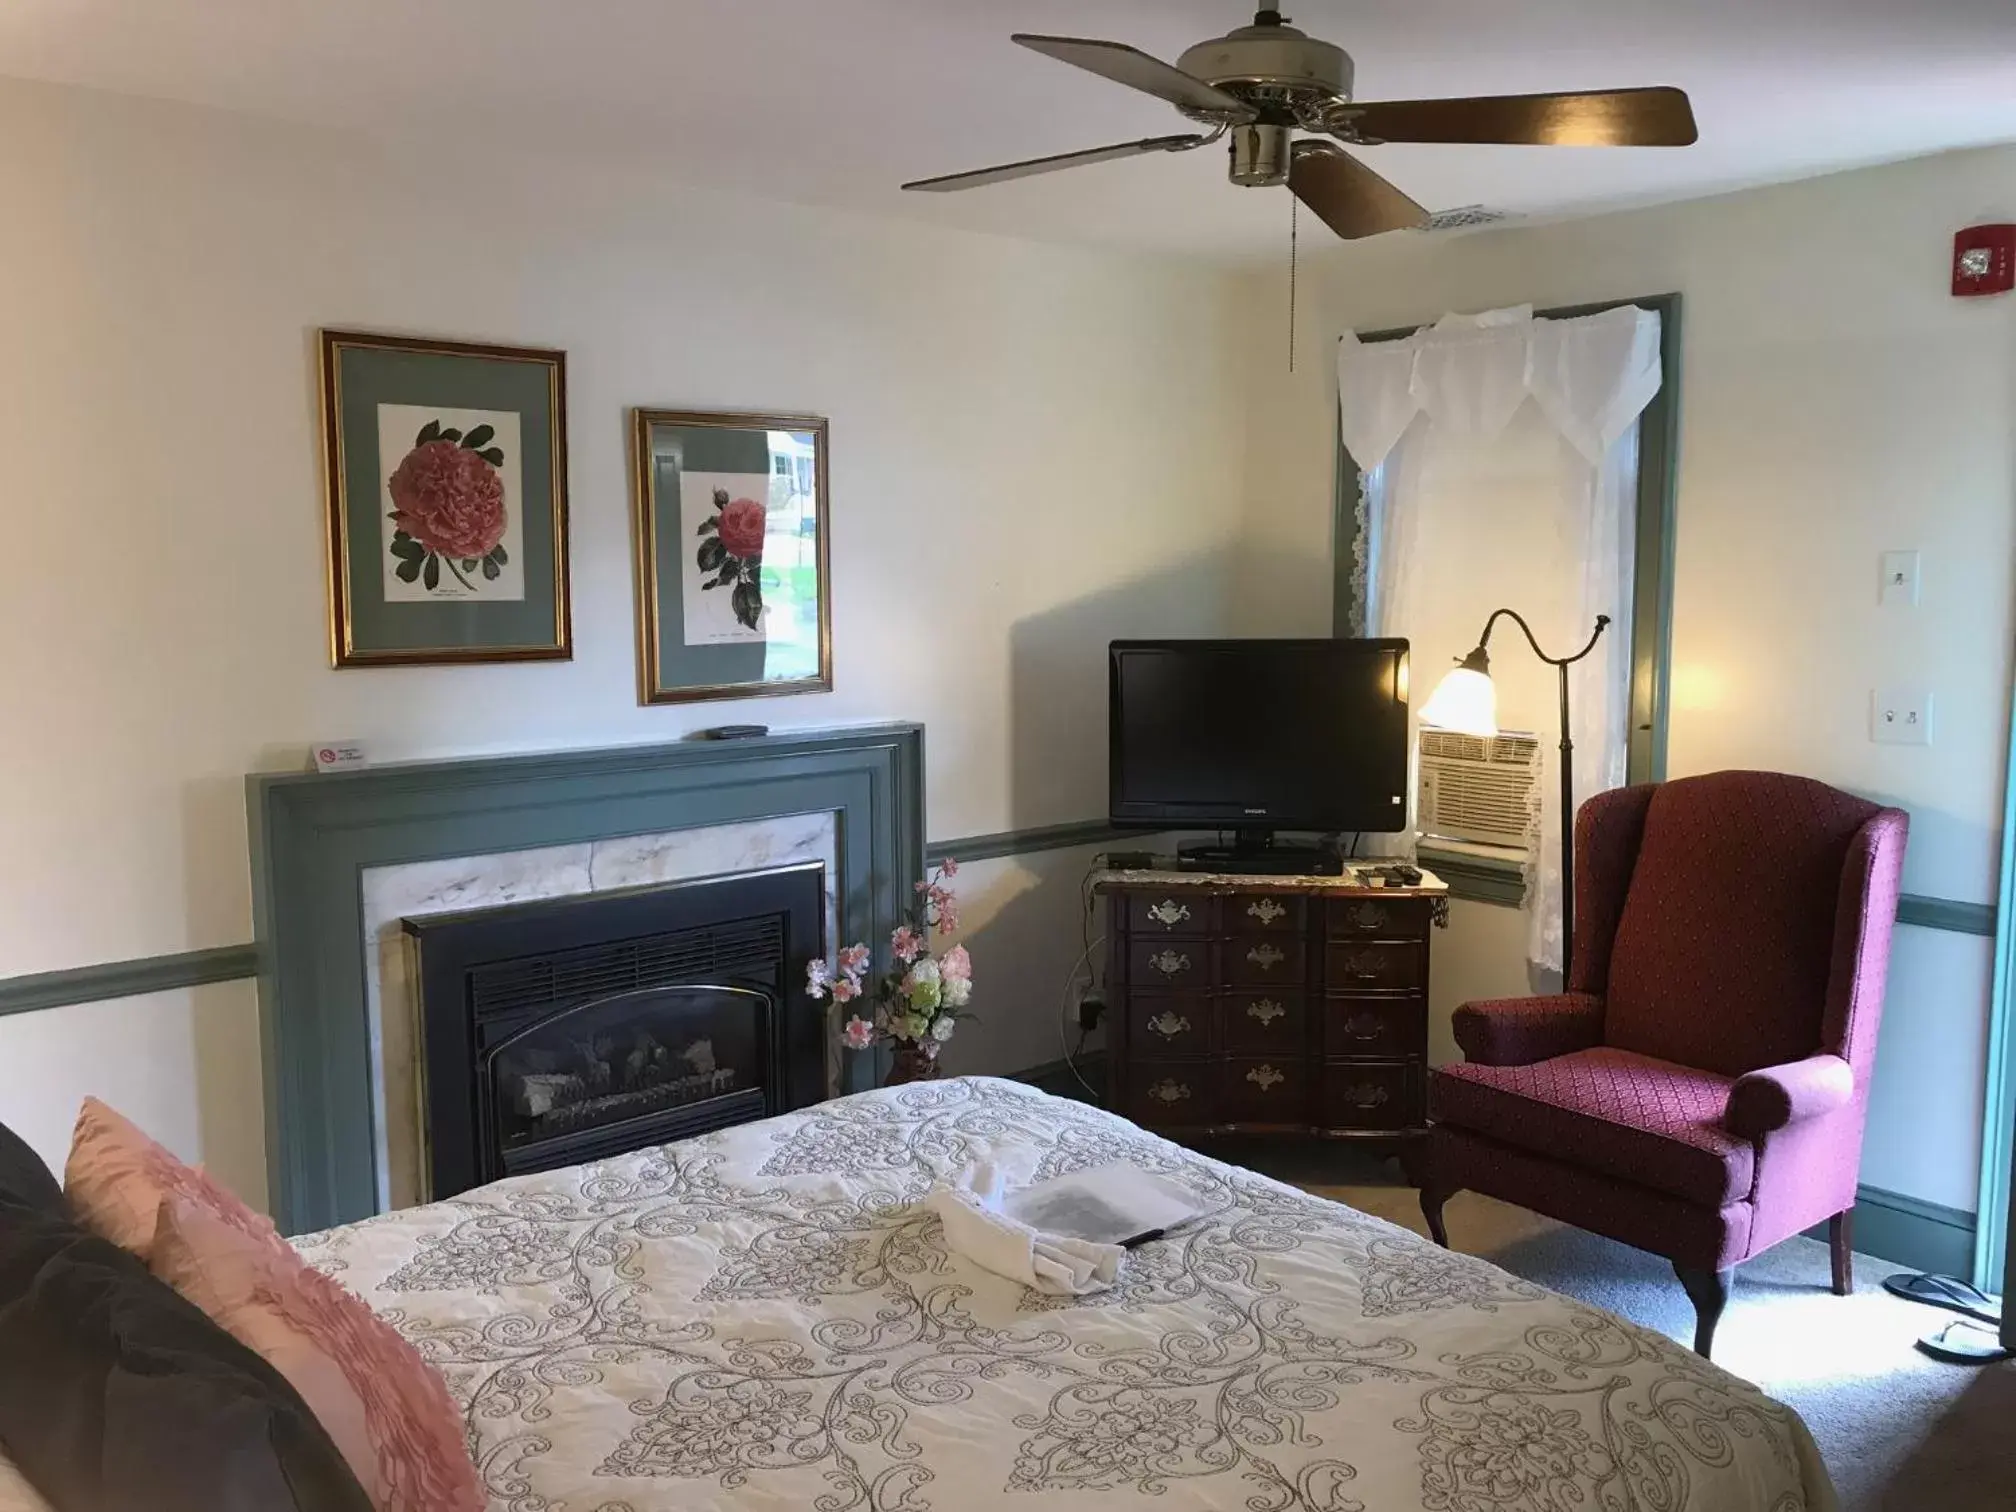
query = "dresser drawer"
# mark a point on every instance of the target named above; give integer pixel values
(1264, 1089)
(1380, 1028)
(1369, 1095)
(1378, 918)
(1373, 965)
(1157, 964)
(1249, 962)
(1171, 913)
(1169, 1025)
(1171, 1094)
(1264, 1023)
(1262, 913)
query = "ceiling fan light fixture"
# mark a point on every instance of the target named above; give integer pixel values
(1261, 155)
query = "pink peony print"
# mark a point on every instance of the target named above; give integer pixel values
(742, 528)
(449, 499)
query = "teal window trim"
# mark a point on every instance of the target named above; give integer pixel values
(1995, 1208)
(1482, 879)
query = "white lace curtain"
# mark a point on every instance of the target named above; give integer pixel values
(1499, 455)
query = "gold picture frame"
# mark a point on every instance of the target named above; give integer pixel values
(732, 532)
(456, 552)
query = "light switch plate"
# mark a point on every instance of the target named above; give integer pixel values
(1901, 715)
(1900, 580)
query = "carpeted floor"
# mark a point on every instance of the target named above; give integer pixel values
(1900, 1432)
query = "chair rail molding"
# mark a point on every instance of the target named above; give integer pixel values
(143, 975)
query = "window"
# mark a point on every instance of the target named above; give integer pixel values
(1491, 879)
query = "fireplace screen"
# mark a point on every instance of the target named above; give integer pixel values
(571, 1081)
(571, 1029)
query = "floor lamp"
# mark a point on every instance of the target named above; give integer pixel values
(1467, 703)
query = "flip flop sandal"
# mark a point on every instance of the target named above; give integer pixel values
(1963, 1342)
(1948, 1292)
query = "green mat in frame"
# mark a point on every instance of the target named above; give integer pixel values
(313, 837)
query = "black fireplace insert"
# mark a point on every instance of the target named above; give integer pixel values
(572, 1029)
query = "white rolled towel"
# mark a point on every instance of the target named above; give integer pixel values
(1056, 1264)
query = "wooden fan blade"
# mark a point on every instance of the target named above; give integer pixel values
(1134, 68)
(1347, 196)
(1596, 118)
(1030, 166)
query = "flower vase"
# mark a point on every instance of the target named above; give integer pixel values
(912, 1062)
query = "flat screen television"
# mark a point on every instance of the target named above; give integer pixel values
(1259, 736)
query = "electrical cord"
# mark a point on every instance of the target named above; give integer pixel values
(1063, 1019)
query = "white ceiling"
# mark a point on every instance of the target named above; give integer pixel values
(837, 101)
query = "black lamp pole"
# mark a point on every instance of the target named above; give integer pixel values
(1480, 661)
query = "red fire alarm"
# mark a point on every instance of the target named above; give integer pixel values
(1984, 261)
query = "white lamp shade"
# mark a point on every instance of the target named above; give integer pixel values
(1466, 702)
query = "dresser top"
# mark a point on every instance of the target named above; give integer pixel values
(1356, 882)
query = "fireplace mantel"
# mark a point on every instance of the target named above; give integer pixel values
(314, 835)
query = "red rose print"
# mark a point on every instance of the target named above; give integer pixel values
(450, 500)
(742, 528)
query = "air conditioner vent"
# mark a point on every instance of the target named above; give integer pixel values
(1464, 217)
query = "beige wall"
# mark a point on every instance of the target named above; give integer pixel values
(1836, 402)
(1034, 449)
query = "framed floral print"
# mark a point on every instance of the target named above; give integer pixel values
(732, 597)
(447, 482)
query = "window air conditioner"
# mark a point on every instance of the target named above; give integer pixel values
(1478, 790)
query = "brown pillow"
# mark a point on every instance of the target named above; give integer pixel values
(118, 1396)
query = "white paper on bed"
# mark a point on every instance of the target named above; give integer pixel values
(1116, 1203)
(977, 1227)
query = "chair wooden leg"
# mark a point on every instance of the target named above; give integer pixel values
(1708, 1290)
(1432, 1199)
(1841, 1246)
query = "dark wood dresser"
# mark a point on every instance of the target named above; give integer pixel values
(1261, 1004)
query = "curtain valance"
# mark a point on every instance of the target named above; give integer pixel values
(1591, 376)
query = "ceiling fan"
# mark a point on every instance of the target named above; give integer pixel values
(1262, 83)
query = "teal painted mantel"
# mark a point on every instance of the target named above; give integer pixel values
(313, 836)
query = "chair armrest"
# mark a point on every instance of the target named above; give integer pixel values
(1770, 1098)
(1520, 1031)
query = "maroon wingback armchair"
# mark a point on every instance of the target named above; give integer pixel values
(1699, 1090)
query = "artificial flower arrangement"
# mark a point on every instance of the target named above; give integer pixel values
(920, 999)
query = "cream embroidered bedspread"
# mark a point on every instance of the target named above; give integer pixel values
(760, 1319)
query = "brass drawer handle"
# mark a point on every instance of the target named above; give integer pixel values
(1355, 967)
(1367, 916)
(1168, 1091)
(1266, 910)
(1169, 963)
(1266, 1078)
(1266, 957)
(1169, 913)
(1266, 1011)
(1365, 1026)
(1169, 1025)
(1366, 1095)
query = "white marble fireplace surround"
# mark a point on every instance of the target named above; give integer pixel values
(464, 883)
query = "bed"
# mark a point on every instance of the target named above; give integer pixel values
(759, 1319)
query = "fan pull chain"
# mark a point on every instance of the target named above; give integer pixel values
(1294, 224)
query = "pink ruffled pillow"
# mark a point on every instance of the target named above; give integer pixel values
(387, 1410)
(117, 1178)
